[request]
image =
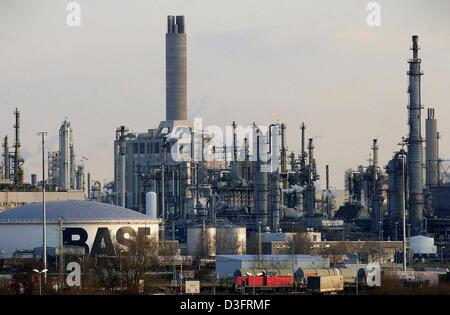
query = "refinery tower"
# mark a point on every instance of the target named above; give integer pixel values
(415, 147)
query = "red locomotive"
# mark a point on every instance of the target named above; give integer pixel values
(263, 279)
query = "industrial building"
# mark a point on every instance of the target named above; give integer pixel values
(241, 181)
(16, 191)
(251, 180)
(237, 204)
(63, 171)
(12, 164)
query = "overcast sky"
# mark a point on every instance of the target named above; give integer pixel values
(259, 60)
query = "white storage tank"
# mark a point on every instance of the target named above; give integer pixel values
(100, 228)
(201, 241)
(231, 240)
(421, 244)
(150, 204)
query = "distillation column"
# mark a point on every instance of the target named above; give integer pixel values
(6, 165)
(261, 179)
(431, 154)
(415, 149)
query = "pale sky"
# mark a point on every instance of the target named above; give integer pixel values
(256, 60)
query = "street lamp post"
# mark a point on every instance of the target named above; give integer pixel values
(43, 271)
(357, 279)
(43, 134)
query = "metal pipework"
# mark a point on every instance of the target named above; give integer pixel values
(415, 149)
(176, 69)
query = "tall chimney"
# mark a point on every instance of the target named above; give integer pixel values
(6, 165)
(431, 152)
(415, 149)
(176, 69)
(18, 172)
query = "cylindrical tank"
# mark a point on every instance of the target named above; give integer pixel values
(349, 274)
(150, 204)
(201, 241)
(231, 240)
(303, 273)
(33, 179)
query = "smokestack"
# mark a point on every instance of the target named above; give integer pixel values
(415, 149)
(176, 69)
(303, 153)
(327, 176)
(283, 149)
(431, 150)
(122, 152)
(261, 179)
(310, 190)
(66, 155)
(374, 167)
(18, 178)
(6, 166)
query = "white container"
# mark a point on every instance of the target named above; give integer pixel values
(150, 204)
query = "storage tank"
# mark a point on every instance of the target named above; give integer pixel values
(303, 273)
(231, 240)
(201, 241)
(100, 228)
(150, 204)
(33, 179)
(421, 244)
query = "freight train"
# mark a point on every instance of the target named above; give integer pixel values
(257, 280)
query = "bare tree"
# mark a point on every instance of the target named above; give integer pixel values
(137, 260)
(301, 244)
(229, 245)
(106, 271)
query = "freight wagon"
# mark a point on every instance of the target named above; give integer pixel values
(325, 284)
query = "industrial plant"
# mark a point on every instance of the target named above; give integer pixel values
(229, 210)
